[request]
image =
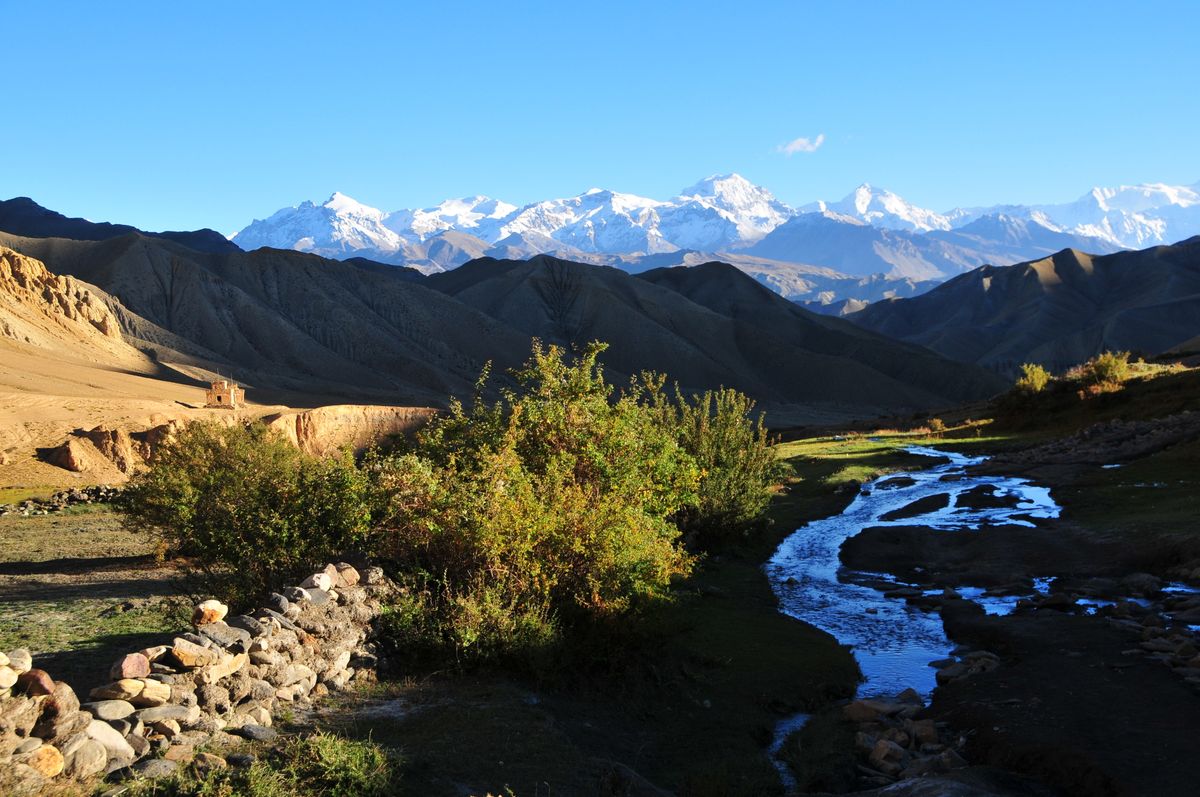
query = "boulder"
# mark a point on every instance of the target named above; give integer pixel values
(8, 677)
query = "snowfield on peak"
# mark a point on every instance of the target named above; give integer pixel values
(870, 231)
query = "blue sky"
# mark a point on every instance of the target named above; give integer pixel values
(174, 115)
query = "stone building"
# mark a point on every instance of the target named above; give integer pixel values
(224, 395)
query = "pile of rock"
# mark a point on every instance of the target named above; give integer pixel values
(222, 682)
(893, 744)
(99, 494)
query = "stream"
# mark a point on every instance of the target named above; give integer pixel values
(892, 641)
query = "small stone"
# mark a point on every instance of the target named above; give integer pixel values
(160, 713)
(248, 624)
(22, 780)
(140, 746)
(153, 693)
(277, 603)
(155, 653)
(20, 660)
(47, 760)
(168, 728)
(109, 710)
(35, 682)
(8, 677)
(226, 636)
(347, 575)
(124, 689)
(84, 757)
(227, 665)
(256, 733)
(27, 746)
(208, 762)
(319, 597)
(180, 752)
(297, 594)
(372, 575)
(155, 768)
(133, 665)
(320, 581)
(191, 655)
(209, 611)
(113, 743)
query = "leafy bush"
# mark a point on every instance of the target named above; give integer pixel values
(737, 466)
(1107, 370)
(937, 427)
(247, 507)
(544, 510)
(1033, 379)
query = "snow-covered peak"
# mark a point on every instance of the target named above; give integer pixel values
(753, 209)
(882, 208)
(347, 206)
(478, 215)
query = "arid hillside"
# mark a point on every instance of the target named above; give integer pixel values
(358, 332)
(1058, 311)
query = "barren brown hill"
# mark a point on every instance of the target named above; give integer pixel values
(290, 321)
(1057, 311)
(798, 364)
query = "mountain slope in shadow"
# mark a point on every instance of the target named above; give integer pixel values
(1058, 311)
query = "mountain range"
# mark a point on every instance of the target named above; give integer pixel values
(871, 233)
(296, 323)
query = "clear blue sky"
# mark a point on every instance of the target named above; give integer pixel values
(182, 115)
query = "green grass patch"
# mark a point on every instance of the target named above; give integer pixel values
(320, 765)
(15, 495)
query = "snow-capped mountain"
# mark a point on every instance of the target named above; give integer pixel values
(882, 208)
(338, 228)
(1129, 216)
(477, 215)
(871, 231)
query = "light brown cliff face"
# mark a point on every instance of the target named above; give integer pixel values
(324, 430)
(49, 311)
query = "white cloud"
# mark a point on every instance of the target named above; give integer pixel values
(801, 145)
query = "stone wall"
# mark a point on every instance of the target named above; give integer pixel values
(221, 682)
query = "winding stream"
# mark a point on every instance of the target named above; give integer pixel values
(892, 641)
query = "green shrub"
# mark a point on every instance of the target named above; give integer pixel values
(249, 510)
(545, 510)
(737, 466)
(937, 427)
(1033, 379)
(1107, 370)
